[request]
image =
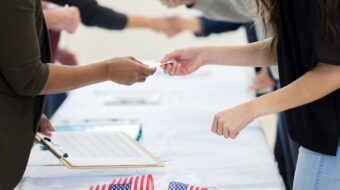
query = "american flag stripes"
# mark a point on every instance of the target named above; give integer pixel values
(145, 182)
(181, 186)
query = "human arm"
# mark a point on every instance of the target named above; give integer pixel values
(94, 14)
(189, 60)
(61, 18)
(200, 26)
(209, 26)
(125, 71)
(22, 69)
(227, 10)
(315, 84)
(157, 24)
(66, 57)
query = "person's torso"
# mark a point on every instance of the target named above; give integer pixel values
(35, 104)
(296, 56)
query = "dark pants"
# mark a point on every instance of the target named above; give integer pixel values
(286, 153)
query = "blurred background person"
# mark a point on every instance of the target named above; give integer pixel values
(66, 15)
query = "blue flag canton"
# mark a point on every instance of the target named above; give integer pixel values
(120, 187)
(178, 186)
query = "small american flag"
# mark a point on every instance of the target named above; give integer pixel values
(120, 187)
(145, 182)
(181, 186)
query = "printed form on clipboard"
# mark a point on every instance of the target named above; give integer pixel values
(98, 150)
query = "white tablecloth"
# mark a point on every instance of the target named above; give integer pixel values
(176, 130)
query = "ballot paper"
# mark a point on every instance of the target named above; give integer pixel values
(97, 150)
(134, 130)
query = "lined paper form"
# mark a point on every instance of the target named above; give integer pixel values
(100, 149)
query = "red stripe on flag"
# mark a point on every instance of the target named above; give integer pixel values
(152, 182)
(136, 183)
(145, 182)
(148, 183)
(142, 183)
(130, 180)
(114, 181)
(119, 181)
(125, 180)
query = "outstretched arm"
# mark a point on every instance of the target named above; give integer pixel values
(28, 76)
(258, 54)
(315, 84)
(125, 71)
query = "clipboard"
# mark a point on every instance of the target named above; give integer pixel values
(65, 150)
(134, 130)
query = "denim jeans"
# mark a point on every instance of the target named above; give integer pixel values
(315, 171)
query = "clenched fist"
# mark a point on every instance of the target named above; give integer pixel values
(128, 70)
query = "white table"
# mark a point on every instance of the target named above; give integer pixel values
(177, 130)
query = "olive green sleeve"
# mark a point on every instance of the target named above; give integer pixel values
(20, 62)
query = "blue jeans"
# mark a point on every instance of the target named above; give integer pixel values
(316, 171)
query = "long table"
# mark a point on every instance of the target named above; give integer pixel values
(176, 129)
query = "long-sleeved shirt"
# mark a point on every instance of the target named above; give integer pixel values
(211, 26)
(93, 14)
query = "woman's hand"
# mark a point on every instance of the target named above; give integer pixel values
(262, 81)
(187, 61)
(61, 18)
(70, 19)
(45, 126)
(169, 25)
(230, 122)
(128, 70)
(181, 24)
(66, 57)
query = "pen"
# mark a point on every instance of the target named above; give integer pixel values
(53, 147)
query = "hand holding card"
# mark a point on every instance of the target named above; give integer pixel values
(161, 64)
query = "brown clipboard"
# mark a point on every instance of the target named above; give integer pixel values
(60, 156)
